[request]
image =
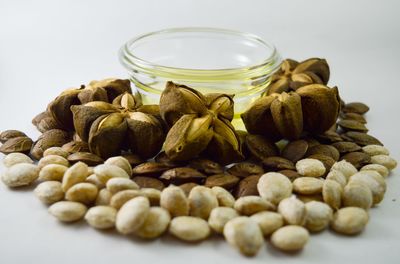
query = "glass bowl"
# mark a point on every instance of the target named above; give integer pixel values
(209, 60)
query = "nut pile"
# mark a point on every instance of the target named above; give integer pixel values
(307, 163)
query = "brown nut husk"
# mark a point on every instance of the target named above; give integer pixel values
(199, 123)
(105, 90)
(16, 144)
(182, 175)
(293, 74)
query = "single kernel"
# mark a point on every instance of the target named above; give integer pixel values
(58, 151)
(52, 172)
(292, 210)
(104, 172)
(103, 197)
(53, 159)
(249, 205)
(152, 194)
(337, 176)
(332, 194)
(268, 221)
(20, 174)
(307, 185)
(349, 220)
(92, 178)
(67, 211)
(274, 187)
(174, 200)
(120, 198)
(374, 181)
(121, 162)
(344, 167)
(357, 194)
(244, 234)
(49, 192)
(15, 158)
(384, 160)
(310, 167)
(132, 215)
(219, 216)
(202, 200)
(373, 150)
(74, 174)
(318, 216)
(83, 192)
(101, 217)
(382, 170)
(115, 185)
(189, 228)
(290, 238)
(156, 223)
(224, 197)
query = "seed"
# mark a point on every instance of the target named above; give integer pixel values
(17, 144)
(247, 186)
(53, 159)
(103, 197)
(310, 197)
(326, 150)
(384, 160)
(352, 125)
(274, 187)
(291, 174)
(206, 166)
(344, 167)
(202, 200)
(349, 220)
(310, 167)
(52, 172)
(20, 174)
(115, 185)
(222, 180)
(182, 175)
(318, 216)
(332, 194)
(307, 185)
(292, 210)
(92, 178)
(121, 162)
(155, 225)
(374, 150)
(290, 238)
(353, 116)
(374, 181)
(382, 170)
(244, 169)
(8, 134)
(83, 192)
(73, 175)
(361, 138)
(15, 158)
(337, 176)
(295, 150)
(49, 192)
(355, 107)
(189, 228)
(174, 200)
(67, 211)
(101, 217)
(224, 197)
(219, 216)
(150, 169)
(268, 221)
(120, 198)
(148, 182)
(152, 194)
(105, 172)
(75, 146)
(357, 194)
(358, 159)
(326, 160)
(132, 215)
(85, 157)
(249, 205)
(260, 147)
(346, 147)
(277, 163)
(58, 151)
(244, 234)
(133, 159)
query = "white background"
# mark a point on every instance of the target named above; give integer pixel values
(47, 46)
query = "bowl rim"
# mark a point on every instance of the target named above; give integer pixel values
(128, 59)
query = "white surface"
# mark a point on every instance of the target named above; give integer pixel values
(46, 46)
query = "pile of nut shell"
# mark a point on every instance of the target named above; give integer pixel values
(306, 163)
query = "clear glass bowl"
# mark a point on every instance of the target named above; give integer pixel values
(206, 59)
